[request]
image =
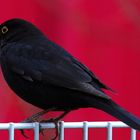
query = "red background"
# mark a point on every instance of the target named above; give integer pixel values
(104, 35)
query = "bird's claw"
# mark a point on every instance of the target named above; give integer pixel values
(35, 117)
(55, 121)
(28, 120)
(41, 130)
(23, 133)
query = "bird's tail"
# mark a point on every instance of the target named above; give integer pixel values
(118, 112)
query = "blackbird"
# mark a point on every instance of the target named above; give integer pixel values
(45, 75)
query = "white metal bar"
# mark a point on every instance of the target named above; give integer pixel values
(4, 126)
(61, 126)
(85, 130)
(64, 125)
(36, 131)
(109, 131)
(11, 131)
(115, 124)
(133, 134)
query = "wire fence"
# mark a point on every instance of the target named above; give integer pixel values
(64, 125)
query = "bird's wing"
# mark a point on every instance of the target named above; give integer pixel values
(54, 67)
(95, 79)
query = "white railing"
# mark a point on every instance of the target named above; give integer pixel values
(64, 125)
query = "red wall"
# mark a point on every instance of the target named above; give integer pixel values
(104, 35)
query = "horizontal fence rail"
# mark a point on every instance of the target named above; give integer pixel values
(64, 125)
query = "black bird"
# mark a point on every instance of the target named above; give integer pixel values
(45, 75)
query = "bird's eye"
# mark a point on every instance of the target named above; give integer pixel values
(4, 29)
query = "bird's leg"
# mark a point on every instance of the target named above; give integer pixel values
(34, 118)
(55, 121)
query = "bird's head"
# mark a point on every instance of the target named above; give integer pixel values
(16, 30)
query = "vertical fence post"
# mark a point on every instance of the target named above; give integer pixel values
(61, 126)
(85, 130)
(133, 134)
(36, 130)
(11, 131)
(109, 131)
